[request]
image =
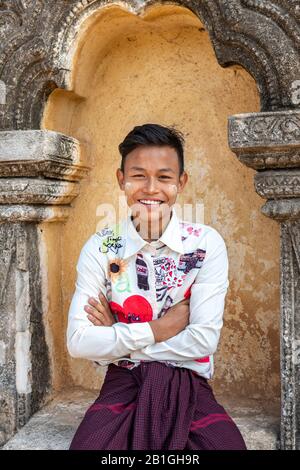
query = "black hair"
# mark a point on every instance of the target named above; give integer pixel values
(153, 134)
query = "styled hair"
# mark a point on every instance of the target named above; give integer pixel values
(153, 134)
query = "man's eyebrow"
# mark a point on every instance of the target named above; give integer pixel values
(166, 169)
(138, 168)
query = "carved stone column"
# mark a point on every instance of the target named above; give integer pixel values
(270, 143)
(39, 173)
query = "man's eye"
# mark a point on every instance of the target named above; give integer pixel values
(165, 177)
(137, 176)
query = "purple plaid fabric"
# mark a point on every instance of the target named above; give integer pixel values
(156, 407)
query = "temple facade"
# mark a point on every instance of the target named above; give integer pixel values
(75, 78)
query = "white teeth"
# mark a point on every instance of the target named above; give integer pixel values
(148, 201)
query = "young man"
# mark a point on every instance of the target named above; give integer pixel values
(149, 303)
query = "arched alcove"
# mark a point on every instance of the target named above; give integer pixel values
(161, 67)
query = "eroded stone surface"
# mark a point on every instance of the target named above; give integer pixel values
(53, 427)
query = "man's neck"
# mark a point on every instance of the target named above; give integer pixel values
(148, 232)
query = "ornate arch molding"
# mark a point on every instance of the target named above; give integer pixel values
(240, 32)
(39, 170)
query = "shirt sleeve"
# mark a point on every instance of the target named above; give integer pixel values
(86, 340)
(200, 338)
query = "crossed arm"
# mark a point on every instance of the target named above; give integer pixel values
(98, 337)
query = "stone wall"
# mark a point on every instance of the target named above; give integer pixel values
(60, 84)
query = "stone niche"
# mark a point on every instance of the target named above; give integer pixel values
(75, 78)
(161, 67)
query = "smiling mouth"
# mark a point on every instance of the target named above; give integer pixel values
(150, 202)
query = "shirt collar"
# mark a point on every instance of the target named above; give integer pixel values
(170, 237)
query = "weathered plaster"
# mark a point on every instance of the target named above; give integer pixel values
(38, 57)
(119, 55)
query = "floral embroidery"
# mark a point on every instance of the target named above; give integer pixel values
(117, 267)
(194, 231)
(190, 230)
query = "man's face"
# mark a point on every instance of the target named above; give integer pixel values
(151, 182)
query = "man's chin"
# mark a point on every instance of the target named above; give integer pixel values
(153, 215)
(143, 211)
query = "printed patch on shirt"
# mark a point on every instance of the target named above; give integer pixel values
(194, 231)
(202, 359)
(111, 239)
(192, 260)
(116, 267)
(134, 309)
(111, 243)
(118, 275)
(190, 230)
(141, 272)
(107, 285)
(166, 276)
(105, 232)
(167, 305)
(188, 292)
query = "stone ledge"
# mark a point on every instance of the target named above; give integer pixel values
(53, 427)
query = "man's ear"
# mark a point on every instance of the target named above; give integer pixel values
(120, 178)
(182, 181)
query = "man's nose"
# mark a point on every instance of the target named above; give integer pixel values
(151, 185)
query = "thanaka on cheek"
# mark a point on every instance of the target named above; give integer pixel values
(128, 186)
(173, 188)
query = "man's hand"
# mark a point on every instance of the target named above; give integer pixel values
(172, 322)
(99, 313)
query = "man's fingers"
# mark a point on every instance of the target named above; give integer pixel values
(95, 321)
(106, 305)
(96, 304)
(103, 300)
(94, 312)
(95, 307)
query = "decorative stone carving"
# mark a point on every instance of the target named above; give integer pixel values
(38, 171)
(37, 40)
(266, 140)
(290, 333)
(270, 142)
(262, 36)
(24, 369)
(40, 153)
(275, 184)
(38, 167)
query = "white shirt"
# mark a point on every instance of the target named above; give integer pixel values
(141, 281)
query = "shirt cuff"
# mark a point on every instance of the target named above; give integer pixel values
(141, 333)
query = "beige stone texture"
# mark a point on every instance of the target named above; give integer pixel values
(161, 68)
